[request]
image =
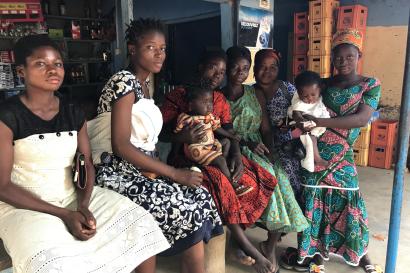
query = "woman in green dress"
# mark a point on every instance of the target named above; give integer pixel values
(333, 203)
(251, 123)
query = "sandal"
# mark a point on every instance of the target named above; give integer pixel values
(242, 190)
(373, 268)
(314, 268)
(288, 261)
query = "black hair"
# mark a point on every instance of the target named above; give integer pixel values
(195, 91)
(212, 54)
(139, 27)
(236, 52)
(307, 78)
(25, 46)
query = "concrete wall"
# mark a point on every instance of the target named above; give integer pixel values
(385, 42)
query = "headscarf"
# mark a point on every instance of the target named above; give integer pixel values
(266, 53)
(349, 36)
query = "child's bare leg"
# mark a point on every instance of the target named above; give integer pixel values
(226, 146)
(221, 164)
(318, 159)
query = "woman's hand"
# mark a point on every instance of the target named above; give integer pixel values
(78, 226)
(192, 135)
(89, 217)
(188, 178)
(258, 148)
(236, 167)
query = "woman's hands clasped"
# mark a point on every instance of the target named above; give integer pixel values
(81, 223)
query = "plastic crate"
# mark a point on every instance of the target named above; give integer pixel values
(322, 9)
(384, 132)
(380, 156)
(320, 64)
(300, 23)
(321, 28)
(299, 64)
(361, 156)
(352, 17)
(300, 44)
(320, 46)
(363, 141)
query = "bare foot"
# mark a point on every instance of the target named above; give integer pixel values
(263, 265)
(239, 256)
(269, 254)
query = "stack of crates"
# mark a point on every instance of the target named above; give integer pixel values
(361, 147)
(354, 16)
(382, 143)
(321, 28)
(300, 42)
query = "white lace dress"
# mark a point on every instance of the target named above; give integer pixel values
(40, 243)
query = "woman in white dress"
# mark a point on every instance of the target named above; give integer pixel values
(123, 138)
(46, 223)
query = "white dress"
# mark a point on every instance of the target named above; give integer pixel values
(40, 243)
(185, 215)
(317, 110)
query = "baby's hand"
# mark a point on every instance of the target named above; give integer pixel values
(237, 137)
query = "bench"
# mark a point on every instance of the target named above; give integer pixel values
(5, 261)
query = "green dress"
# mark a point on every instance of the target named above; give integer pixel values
(333, 204)
(283, 213)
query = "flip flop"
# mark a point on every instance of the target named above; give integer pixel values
(288, 260)
(373, 268)
(314, 268)
(242, 190)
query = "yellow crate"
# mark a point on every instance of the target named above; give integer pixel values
(361, 156)
(322, 9)
(320, 46)
(363, 141)
(324, 27)
(319, 64)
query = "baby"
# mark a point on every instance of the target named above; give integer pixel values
(209, 151)
(308, 100)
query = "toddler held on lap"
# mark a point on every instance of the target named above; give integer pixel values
(306, 106)
(209, 150)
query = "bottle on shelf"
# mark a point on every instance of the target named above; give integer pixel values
(87, 10)
(62, 8)
(99, 9)
(93, 31)
(46, 7)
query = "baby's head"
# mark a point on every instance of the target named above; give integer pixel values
(200, 99)
(308, 84)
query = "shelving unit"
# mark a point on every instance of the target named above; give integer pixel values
(87, 60)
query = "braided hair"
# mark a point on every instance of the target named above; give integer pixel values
(139, 27)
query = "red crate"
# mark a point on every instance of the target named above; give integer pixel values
(384, 132)
(319, 9)
(299, 64)
(21, 11)
(300, 44)
(352, 17)
(300, 23)
(380, 156)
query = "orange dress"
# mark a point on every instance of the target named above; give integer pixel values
(209, 148)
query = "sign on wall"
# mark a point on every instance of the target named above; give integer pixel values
(255, 27)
